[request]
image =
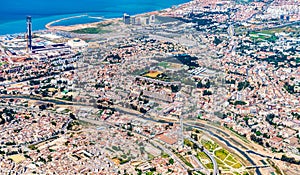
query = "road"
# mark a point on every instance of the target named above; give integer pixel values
(154, 142)
(216, 169)
(227, 143)
(204, 127)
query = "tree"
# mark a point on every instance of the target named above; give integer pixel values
(72, 116)
(207, 92)
(243, 85)
(171, 161)
(174, 88)
(238, 102)
(217, 41)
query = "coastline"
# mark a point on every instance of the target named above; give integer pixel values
(49, 26)
(77, 26)
(13, 22)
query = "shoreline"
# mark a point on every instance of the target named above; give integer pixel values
(69, 28)
(16, 25)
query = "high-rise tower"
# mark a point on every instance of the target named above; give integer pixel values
(29, 34)
(126, 18)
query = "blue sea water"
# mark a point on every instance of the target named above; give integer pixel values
(13, 12)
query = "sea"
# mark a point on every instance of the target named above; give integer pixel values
(13, 12)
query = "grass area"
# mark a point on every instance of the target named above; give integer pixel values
(209, 166)
(256, 36)
(164, 155)
(278, 30)
(225, 168)
(116, 148)
(219, 162)
(204, 159)
(269, 35)
(159, 109)
(150, 156)
(164, 64)
(91, 31)
(184, 160)
(221, 154)
(209, 145)
(236, 173)
(229, 163)
(202, 155)
(231, 159)
(237, 166)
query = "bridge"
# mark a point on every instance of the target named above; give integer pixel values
(257, 166)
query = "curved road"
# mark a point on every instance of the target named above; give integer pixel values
(191, 125)
(216, 169)
(228, 144)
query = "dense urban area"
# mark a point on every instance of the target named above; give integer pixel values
(206, 87)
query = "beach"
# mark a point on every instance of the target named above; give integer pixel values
(50, 25)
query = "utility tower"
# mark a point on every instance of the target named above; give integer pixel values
(29, 34)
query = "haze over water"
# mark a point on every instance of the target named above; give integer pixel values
(14, 12)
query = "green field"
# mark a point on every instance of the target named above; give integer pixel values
(209, 145)
(225, 160)
(237, 165)
(164, 64)
(219, 162)
(204, 158)
(231, 159)
(91, 30)
(229, 163)
(209, 166)
(164, 155)
(221, 154)
(257, 36)
(202, 155)
(269, 35)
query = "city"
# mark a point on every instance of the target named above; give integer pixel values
(205, 87)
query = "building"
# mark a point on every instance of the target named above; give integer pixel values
(152, 19)
(126, 18)
(77, 43)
